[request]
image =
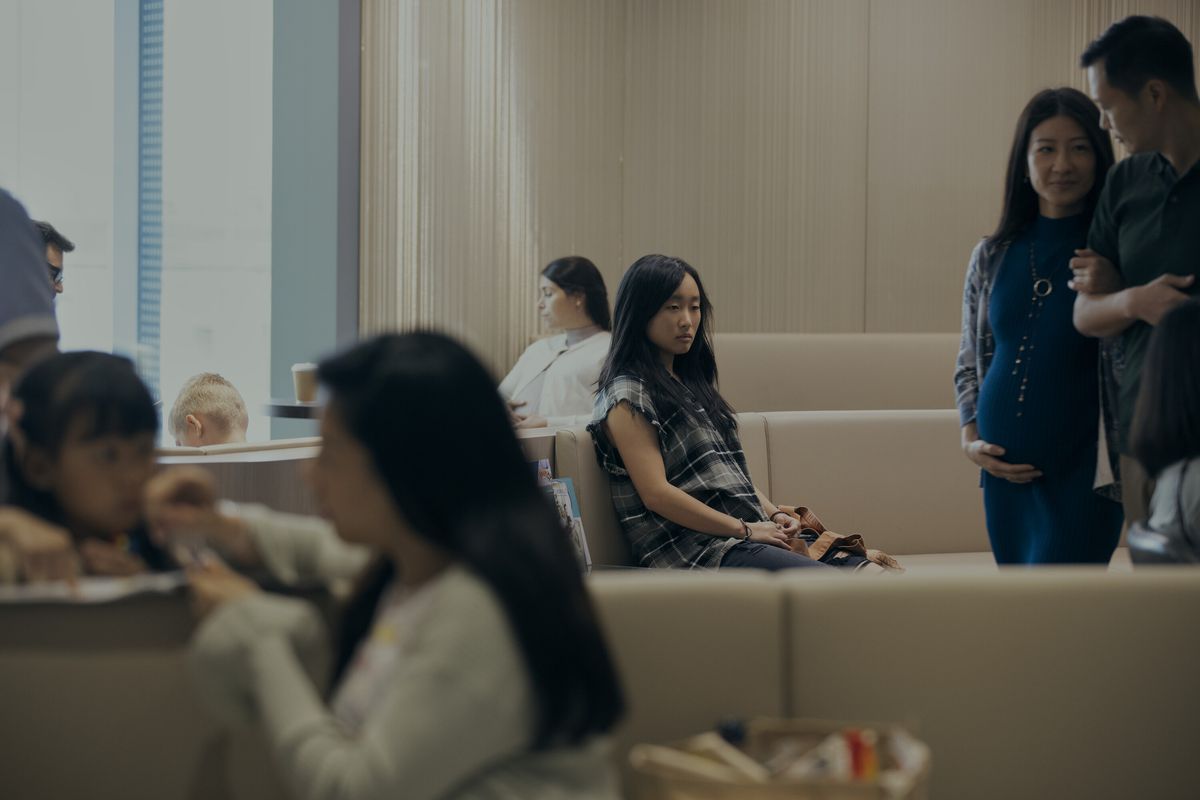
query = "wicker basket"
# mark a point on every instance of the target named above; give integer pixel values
(651, 779)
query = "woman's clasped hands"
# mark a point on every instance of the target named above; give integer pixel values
(777, 531)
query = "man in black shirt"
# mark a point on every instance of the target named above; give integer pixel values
(1143, 251)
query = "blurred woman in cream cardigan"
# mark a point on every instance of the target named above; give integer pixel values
(469, 661)
(554, 381)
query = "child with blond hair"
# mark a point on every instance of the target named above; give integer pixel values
(209, 410)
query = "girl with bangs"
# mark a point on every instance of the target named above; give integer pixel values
(79, 454)
(669, 441)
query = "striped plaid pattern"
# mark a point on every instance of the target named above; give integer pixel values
(698, 460)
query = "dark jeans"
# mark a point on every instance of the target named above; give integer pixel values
(755, 555)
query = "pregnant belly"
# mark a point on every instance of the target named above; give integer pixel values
(1047, 430)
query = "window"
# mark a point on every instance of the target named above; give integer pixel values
(203, 156)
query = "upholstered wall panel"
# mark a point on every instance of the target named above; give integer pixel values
(826, 164)
(745, 143)
(948, 79)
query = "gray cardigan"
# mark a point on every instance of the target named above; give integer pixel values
(458, 713)
(1169, 496)
(978, 346)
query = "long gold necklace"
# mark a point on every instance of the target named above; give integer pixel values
(1042, 288)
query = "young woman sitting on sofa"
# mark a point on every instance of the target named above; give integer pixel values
(669, 441)
(1166, 430)
(470, 662)
(554, 381)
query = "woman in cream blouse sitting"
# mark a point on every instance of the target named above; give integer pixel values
(554, 381)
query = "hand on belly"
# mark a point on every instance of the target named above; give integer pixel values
(992, 459)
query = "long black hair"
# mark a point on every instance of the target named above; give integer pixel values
(644, 288)
(102, 395)
(1166, 422)
(578, 275)
(101, 390)
(1020, 199)
(418, 402)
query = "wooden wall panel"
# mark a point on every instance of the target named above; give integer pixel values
(948, 81)
(387, 149)
(826, 164)
(492, 134)
(745, 145)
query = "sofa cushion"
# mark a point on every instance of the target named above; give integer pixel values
(925, 563)
(897, 477)
(98, 703)
(692, 648)
(1069, 682)
(921, 563)
(821, 371)
(575, 458)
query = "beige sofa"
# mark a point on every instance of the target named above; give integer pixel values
(822, 371)
(1046, 684)
(97, 704)
(1055, 683)
(897, 477)
(255, 472)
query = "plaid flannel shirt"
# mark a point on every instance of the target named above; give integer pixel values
(698, 459)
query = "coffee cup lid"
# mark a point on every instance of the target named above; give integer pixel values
(304, 367)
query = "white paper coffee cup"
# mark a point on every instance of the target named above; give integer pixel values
(304, 380)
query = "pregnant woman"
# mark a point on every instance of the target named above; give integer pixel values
(1027, 381)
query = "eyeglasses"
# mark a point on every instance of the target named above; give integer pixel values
(56, 274)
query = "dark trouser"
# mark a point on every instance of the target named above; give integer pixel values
(755, 555)
(1136, 490)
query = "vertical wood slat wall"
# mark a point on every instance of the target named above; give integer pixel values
(827, 165)
(948, 81)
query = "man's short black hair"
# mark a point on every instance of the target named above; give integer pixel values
(1137, 49)
(50, 235)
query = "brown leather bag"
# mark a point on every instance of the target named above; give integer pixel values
(821, 544)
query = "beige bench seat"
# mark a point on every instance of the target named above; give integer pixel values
(1025, 683)
(896, 477)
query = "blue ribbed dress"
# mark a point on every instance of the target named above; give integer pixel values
(1039, 400)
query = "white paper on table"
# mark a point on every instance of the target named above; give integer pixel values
(93, 590)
